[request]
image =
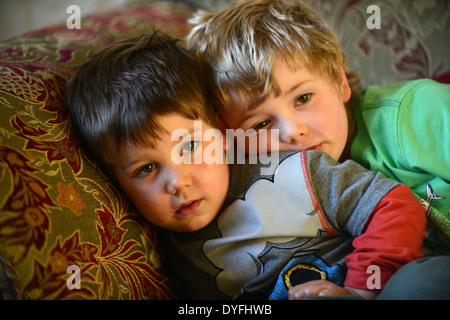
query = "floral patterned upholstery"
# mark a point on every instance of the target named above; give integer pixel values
(412, 42)
(56, 207)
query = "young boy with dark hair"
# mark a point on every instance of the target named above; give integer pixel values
(140, 108)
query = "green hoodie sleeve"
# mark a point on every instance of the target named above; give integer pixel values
(404, 132)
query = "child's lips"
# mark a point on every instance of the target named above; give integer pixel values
(188, 208)
(316, 147)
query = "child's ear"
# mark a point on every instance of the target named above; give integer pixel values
(346, 92)
(223, 129)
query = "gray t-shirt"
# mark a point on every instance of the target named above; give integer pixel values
(289, 226)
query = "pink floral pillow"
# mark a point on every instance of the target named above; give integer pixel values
(390, 41)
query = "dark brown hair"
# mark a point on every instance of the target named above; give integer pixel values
(115, 98)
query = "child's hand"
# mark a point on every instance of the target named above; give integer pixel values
(325, 288)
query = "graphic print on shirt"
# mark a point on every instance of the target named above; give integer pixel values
(276, 214)
(302, 269)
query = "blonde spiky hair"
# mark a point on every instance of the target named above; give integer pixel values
(240, 43)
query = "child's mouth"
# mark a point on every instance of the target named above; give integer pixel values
(316, 147)
(188, 208)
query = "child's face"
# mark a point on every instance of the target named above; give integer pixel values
(309, 112)
(179, 197)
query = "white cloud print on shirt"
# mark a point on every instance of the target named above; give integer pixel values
(278, 211)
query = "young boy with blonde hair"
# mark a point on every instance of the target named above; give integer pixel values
(232, 231)
(278, 65)
(275, 63)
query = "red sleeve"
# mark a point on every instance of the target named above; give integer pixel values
(393, 237)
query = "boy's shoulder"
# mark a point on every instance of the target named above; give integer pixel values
(401, 88)
(409, 92)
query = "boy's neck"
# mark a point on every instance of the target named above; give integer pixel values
(346, 154)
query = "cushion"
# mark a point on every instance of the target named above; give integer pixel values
(410, 42)
(65, 231)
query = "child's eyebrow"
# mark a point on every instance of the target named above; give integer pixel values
(125, 166)
(193, 130)
(295, 86)
(188, 133)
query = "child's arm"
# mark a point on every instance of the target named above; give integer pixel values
(392, 237)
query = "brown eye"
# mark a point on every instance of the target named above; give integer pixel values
(147, 169)
(262, 124)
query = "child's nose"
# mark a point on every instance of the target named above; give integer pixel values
(291, 132)
(177, 179)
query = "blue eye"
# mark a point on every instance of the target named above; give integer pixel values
(189, 147)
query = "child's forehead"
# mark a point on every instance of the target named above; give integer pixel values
(298, 66)
(285, 76)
